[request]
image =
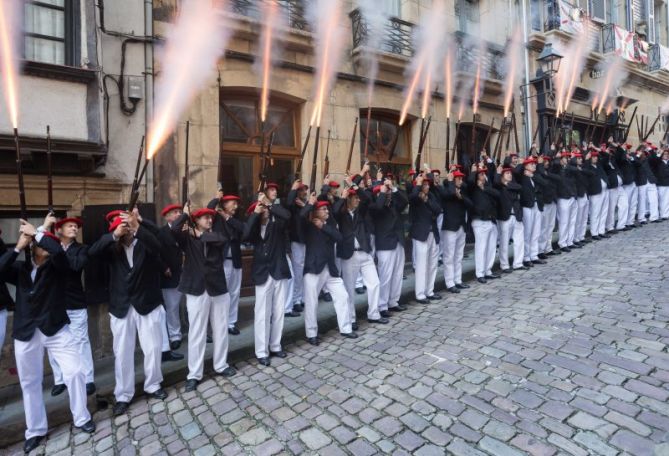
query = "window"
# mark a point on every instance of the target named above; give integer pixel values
(391, 8)
(598, 10)
(468, 14)
(50, 31)
(386, 138)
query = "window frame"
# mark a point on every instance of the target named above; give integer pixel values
(71, 27)
(404, 135)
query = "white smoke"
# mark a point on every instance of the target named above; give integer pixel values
(11, 29)
(613, 76)
(376, 19)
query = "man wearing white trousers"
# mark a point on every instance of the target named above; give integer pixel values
(67, 230)
(509, 220)
(617, 197)
(207, 298)
(424, 209)
(627, 163)
(661, 167)
(6, 301)
(548, 198)
(389, 239)
(454, 201)
(652, 196)
(581, 200)
(355, 249)
(484, 213)
(265, 229)
(597, 192)
(135, 303)
(529, 180)
(566, 202)
(321, 271)
(41, 322)
(296, 200)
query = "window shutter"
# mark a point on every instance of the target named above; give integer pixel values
(598, 10)
(650, 19)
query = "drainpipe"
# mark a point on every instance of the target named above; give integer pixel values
(526, 86)
(148, 89)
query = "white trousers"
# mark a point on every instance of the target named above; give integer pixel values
(203, 309)
(79, 330)
(663, 193)
(172, 299)
(485, 241)
(440, 221)
(454, 251)
(125, 332)
(268, 315)
(511, 229)
(532, 228)
(30, 365)
(632, 202)
(653, 202)
(623, 209)
(297, 252)
(642, 206)
(313, 284)
(596, 208)
(567, 209)
(548, 217)
(613, 203)
(290, 287)
(581, 218)
(604, 213)
(3, 328)
(165, 345)
(426, 262)
(233, 278)
(361, 264)
(391, 271)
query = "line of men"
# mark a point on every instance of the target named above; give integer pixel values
(302, 245)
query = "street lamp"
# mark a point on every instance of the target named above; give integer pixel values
(549, 61)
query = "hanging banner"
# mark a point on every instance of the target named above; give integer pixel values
(570, 18)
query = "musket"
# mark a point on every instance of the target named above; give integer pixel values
(19, 173)
(312, 180)
(393, 145)
(594, 127)
(473, 133)
(421, 144)
(134, 192)
(448, 143)
(369, 124)
(455, 142)
(487, 137)
(378, 146)
(298, 169)
(350, 149)
(515, 133)
(326, 164)
(219, 178)
(49, 171)
(651, 129)
(498, 142)
(268, 162)
(571, 129)
(587, 129)
(185, 194)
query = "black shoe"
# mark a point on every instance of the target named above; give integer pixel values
(613, 231)
(493, 276)
(576, 245)
(481, 280)
(385, 314)
(507, 271)
(527, 264)
(655, 221)
(605, 235)
(313, 340)
(643, 222)
(171, 356)
(175, 344)
(234, 330)
(279, 354)
(586, 241)
(551, 253)
(434, 297)
(565, 249)
(398, 308)
(627, 228)
(423, 301)
(351, 335)
(354, 326)
(539, 261)
(453, 290)
(299, 307)
(32, 443)
(292, 314)
(90, 389)
(88, 427)
(227, 372)
(120, 408)
(381, 321)
(557, 252)
(264, 361)
(543, 256)
(158, 394)
(210, 340)
(522, 268)
(360, 290)
(191, 385)
(596, 237)
(462, 286)
(57, 390)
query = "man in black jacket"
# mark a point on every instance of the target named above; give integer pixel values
(265, 229)
(67, 230)
(455, 203)
(172, 259)
(207, 298)
(581, 198)
(321, 271)
(597, 195)
(548, 208)
(627, 163)
(509, 220)
(484, 200)
(41, 322)
(296, 200)
(529, 181)
(617, 195)
(566, 192)
(135, 304)
(389, 239)
(660, 166)
(6, 301)
(424, 232)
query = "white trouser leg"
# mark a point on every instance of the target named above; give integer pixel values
(297, 252)
(532, 226)
(518, 236)
(481, 237)
(563, 216)
(289, 286)
(504, 229)
(582, 218)
(663, 193)
(653, 202)
(268, 316)
(573, 211)
(595, 207)
(350, 269)
(421, 260)
(491, 248)
(397, 274)
(370, 278)
(198, 316)
(164, 338)
(3, 328)
(385, 267)
(632, 202)
(340, 301)
(358, 267)
(460, 240)
(440, 221)
(79, 331)
(218, 312)
(433, 263)
(149, 330)
(611, 214)
(578, 203)
(233, 277)
(124, 334)
(604, 209)
(276, 320)
(448, 241)
(358, 281)
(313, 283)
(642, 206)
(548, 217)
(623, 207)
(172, 298)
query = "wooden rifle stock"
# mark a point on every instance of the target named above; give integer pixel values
(651, 129)
(326, 164)
(629, 125)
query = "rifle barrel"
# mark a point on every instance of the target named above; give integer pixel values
(350, 149)
(184, 187)
(19, 174)
(298, 169)
(49, 170)
(652, 128)
(312, 180)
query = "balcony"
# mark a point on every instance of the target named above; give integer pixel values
(293, 9)
(397, 37)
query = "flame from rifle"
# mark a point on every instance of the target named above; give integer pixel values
(410, 93)
(270, 14)
(609, 108)
(512, 61)
(477, 88)
(426, 95)
(461, 109)
(9, 36)
(571, 67)
(448, 84)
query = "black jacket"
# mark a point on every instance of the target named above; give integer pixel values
(612, 170)
(6, 300)
(297, 225)
(352, 228)
(529, 191)
(566, 184)
(423, 215)
(509, 200)
(645, 174)
(171, 257)
(627, 166)
(320, 245)
(455, 209)
(40, 304)
(77, 259)
(138, 286)
(484, 201)
(269, 252)
(203, 264)
(596, 175)
(661, 171)
(388, 225)
(233, 229)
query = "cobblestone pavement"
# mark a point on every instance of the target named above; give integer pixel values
(568, 358)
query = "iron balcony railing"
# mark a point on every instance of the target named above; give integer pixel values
(397, 37)
(293, 9)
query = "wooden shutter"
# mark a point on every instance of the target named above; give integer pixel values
(598, 10)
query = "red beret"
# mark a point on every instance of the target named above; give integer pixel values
(481, 170)
(565, 154)
(168, 208)
(529, 160)
(320, 204)
(352, 192)
(333, 184)
(272, 185)
(507, 170)
(389, 175)
(76, 220)
(115, 223)
(252, 207)
(230, 198)
(435, 171)
(458, 174)
(577, 155)
(303, 187)
(376, 189)
(653, 147)
(113, 214)
(594, 153)
(411, 172)
(201, 212)
(513, 154)
(628, 146)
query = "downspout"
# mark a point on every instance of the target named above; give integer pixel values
(148, 90)
(526, 86)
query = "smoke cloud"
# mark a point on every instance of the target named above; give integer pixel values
(10, 39)
(376, 19)
(614, 75)
(273, 30)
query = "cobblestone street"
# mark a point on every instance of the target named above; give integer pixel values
(567, 358)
